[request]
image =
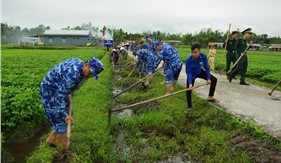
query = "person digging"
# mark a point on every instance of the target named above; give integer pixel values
(194, 64)
(173, 64)
(60, 81)
(145, 61)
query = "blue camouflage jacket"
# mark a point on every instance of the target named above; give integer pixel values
(152, 47)
(147, 57)
(64, 77)
(170, 56)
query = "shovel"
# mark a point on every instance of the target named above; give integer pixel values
(221, 67)
(239, 59)
(274, 88)
(150, 100)
(141, 80)
(128, 76)
(65, 154)
(69, 123)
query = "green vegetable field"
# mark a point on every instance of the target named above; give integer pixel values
(22, 72)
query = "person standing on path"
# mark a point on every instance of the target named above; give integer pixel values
(194, 64)
(211, 57)
(231, 55)
(173, 64)
(243, 63)
(60, 81)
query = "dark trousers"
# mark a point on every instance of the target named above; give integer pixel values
(230, 57)
(242, 68)
(202, 75)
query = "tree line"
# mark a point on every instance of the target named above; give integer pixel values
(11, 34)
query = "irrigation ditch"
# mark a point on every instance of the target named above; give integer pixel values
(134, 139)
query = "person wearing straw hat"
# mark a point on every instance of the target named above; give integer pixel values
(243, 63)
(173, 64)
(115, 56)
(60, 81)
(194, 64)
(124, 53)
(211, 56)
(127, 45)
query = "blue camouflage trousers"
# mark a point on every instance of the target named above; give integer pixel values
(56, 106)
(143, 69)
(172, 71)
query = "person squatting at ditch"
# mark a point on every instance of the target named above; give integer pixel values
(60, 81)
(173, 64)
(194, 63)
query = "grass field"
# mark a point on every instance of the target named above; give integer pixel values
(155, 132)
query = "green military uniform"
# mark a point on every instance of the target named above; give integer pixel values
(231, 55)
(243, 63)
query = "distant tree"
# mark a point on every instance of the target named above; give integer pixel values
(77, 28)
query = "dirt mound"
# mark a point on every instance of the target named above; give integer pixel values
(260, 150)
(63, 157)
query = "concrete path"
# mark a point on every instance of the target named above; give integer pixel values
(250, 103)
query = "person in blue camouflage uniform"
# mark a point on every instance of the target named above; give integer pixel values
(145, 61)
(143, 65)
(60, 81)
(152, 44)
(170, 56)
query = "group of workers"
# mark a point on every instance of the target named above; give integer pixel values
(65, 77)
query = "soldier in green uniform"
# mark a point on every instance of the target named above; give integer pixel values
(231, 55)
(243, 63)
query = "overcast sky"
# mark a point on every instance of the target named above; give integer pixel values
(173, 16)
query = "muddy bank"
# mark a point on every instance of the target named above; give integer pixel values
(260, 150)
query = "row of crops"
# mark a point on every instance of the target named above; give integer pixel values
(22, 71)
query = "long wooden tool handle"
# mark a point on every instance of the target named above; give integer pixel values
(129, 75)
(239, 59)
(156, 98)
(69, 123)
(137, 83)
(129, 62)
(228, 32)
(274, 88)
